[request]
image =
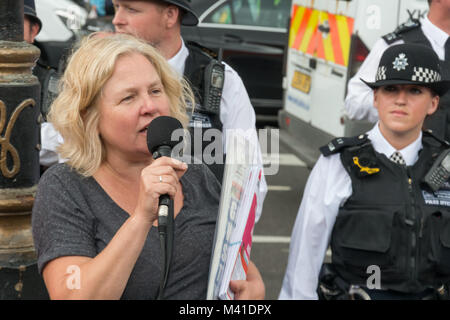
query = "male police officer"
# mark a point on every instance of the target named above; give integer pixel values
(47, 76)
(31, 23)
(434, 32)
(45, 72)
(224, 102)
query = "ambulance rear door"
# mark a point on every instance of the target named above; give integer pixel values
(319, 55)
(328, 41)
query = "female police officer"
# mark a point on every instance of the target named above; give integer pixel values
(368, 197)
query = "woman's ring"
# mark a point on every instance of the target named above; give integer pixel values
(160, 179)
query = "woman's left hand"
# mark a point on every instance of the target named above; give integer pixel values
(250, 289)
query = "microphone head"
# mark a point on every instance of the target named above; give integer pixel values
(159, 133)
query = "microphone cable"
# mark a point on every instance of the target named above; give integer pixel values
(166, 235)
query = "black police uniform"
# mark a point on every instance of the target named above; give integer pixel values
(203, 118)
(45, 70)
(47, 74)
(411, 32)
(392, 220)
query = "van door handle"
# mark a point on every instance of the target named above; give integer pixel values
(324, 27)
(231, 38)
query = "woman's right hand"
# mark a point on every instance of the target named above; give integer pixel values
(152, 187)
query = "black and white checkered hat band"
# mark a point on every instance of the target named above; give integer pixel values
(425, 75)
(381, 73)
(420, 74)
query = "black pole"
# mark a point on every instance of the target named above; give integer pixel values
(19, 157)
(11, 20)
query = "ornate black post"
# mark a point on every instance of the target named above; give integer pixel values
(19, 157)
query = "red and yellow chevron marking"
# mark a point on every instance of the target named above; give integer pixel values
(305, 36)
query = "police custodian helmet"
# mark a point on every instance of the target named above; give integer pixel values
(410, 64)
(29, 9)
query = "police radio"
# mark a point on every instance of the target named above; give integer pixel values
(213, 85)
(439, 172)
(50, 91)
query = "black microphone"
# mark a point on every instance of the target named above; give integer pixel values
(160, 144)
(159, 136)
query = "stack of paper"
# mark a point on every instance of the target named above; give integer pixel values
(236, 219)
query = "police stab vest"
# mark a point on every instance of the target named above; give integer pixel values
(201, 120)
(439, 122)
(392, 221)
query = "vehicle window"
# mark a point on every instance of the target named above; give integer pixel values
(265, 13)
(221, 15)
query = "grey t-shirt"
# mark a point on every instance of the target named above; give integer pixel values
(73, 216)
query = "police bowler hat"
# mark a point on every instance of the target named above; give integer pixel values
(189, 18)
(410, 64)
(29, 9)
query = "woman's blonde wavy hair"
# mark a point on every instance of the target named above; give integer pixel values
(75, 114)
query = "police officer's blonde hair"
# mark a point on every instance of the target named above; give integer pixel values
(75, 113)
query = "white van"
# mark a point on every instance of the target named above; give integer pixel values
(60, 19)
(328, 41)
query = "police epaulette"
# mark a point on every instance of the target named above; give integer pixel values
(203, 49)
(404, 27)
(431, 134)
(336, 145)
(391, 37)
